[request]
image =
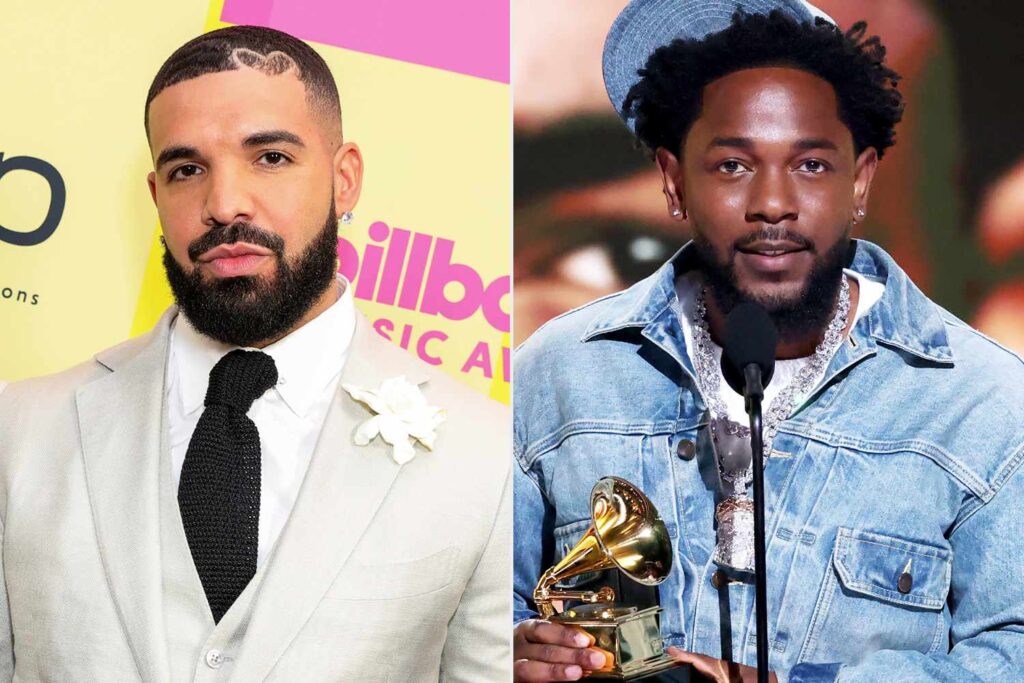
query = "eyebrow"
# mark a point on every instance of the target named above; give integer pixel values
(748, 144)
(815, 143)
(176, 152)
(270, 137)
(742, 143)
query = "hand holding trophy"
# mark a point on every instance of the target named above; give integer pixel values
(626, 533)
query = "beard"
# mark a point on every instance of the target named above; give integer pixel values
(245, 310)
(805, 313)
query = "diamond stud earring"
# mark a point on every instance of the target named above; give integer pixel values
(346, 217)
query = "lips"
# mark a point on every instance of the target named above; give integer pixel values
(233, 260)
(771, 248)
(773, 259)
(233, 251)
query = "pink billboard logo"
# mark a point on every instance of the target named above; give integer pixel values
(483, 359)
(377, 275)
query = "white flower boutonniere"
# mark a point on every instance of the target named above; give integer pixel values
(402, 414)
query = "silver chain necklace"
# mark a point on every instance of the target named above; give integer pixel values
(709, 374)
(731, 440)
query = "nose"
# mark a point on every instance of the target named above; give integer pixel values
(772, 198)
(227, 199)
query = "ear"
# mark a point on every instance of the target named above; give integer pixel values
(151, 181)
(671, 182)
(863, 172)
(348, 177)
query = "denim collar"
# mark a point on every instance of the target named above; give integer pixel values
(904, 317)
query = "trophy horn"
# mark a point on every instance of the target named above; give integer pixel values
(625, 532)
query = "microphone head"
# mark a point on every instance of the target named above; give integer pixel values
(750, 337)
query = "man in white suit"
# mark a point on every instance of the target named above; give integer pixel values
(242, 493)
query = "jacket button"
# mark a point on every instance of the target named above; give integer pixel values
(719, 579)
(905, 583)
(214, 658)
(686, 450)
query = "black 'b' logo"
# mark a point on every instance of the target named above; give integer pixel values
(57, 197)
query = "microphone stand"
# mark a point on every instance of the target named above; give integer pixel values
(754, 393)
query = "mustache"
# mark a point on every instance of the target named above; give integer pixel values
(775, 233)
(240, 231)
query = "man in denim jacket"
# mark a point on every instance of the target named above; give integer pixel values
(894, 482)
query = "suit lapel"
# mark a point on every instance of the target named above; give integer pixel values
(341, 492)
(122, 426)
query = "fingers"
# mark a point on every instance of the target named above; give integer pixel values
(556, 654)
(526, 671)
(553, 652)
(538, 631)
(708, 666)
(559, 644)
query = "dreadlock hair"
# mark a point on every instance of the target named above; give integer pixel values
(667, 99)
(264, 49)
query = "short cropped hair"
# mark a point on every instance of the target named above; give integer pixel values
(265, 49)
(667, 99)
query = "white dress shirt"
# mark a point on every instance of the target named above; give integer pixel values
(289, 417)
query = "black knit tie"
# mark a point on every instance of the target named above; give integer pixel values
(219, 492)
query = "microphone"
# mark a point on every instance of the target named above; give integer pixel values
(748, 358)
(748, 361)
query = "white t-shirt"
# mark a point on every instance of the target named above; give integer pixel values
(785, 370)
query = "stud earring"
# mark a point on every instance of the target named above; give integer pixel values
(346, 217)
(676, 213)
(860, 214)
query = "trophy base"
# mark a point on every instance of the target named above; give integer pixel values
(631, 635)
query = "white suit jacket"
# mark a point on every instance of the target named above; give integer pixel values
(382, 573)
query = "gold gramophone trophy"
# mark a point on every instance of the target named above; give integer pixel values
(626, 532)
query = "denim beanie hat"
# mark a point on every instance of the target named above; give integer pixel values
(645, 25)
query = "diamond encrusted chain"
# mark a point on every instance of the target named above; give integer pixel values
(709, 376)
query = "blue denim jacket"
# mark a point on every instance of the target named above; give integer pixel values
(907, 456)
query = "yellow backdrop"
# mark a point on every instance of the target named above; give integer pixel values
(428, 251)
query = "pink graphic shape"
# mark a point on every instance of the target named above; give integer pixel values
(465, 36)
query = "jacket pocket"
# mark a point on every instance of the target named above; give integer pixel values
(395, 580)
(570, 471)
(863, 605)
(872, 565)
